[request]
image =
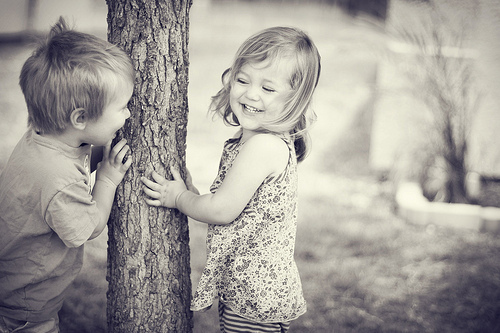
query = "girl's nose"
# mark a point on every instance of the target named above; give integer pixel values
(252, 92)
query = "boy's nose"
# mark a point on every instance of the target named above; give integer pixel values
(127, 113)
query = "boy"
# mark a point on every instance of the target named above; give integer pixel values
(76, 88)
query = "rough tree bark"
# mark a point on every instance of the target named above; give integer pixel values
(148, 248)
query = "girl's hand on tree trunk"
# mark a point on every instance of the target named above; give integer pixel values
(189, 183)
(163, 192)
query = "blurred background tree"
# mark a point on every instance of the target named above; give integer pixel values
(443, 78)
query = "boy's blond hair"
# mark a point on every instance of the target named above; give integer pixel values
(68, 71)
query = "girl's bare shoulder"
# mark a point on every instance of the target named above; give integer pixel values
(268, 148)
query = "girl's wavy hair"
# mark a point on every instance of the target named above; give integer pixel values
(71, 70)
(275, 44)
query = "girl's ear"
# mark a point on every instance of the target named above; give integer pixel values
(78, 118)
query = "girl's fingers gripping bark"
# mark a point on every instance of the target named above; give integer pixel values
(175, 173)
(151, 184)
(148, 189)
(152, 194)
(158, 178)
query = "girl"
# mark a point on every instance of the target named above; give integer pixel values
(252, 207)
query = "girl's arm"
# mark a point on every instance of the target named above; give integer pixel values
(262, 155)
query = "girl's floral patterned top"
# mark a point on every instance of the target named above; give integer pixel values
(250, 263)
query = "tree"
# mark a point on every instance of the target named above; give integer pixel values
(148, 248)
(443, 77)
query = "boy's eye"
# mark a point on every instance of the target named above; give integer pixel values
(268, 89)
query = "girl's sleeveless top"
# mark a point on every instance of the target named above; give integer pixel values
(250, 262)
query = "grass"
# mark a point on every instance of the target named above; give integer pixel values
(371, 272)
(363, 268)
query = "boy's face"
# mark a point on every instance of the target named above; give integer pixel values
(100, 131)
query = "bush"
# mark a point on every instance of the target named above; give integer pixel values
(442, 77)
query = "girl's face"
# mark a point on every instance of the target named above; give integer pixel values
(103, 129)
(259, 93)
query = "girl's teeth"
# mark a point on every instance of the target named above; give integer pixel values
(251, 109)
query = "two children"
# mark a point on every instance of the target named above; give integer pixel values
(76, 88)
(252, 207)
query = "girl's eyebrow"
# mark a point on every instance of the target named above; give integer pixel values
(270, 81)
(265, 80)
(241, 72)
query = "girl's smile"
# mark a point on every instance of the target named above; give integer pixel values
(251, 109)
(259, 93)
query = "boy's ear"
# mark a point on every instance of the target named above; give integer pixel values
(78, 118)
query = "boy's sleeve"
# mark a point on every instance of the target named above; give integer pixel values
(72, 214)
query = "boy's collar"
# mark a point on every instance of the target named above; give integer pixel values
(55, 142)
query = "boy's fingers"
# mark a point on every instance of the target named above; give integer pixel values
(121, 154)
(106, 150)
(127, 163)
(119, 145)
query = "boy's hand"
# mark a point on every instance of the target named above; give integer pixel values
(164, 192)
(112, 169)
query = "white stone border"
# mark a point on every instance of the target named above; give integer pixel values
(415, 208)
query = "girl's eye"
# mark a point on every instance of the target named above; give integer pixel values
(268, 89)
(241, 81)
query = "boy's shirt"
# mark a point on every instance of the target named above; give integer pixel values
(46, 214)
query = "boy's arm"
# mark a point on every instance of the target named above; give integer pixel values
(110, 173)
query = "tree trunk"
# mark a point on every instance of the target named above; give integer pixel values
(148, 248)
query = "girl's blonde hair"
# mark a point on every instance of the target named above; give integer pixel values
(71, 70)
(275, 44)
